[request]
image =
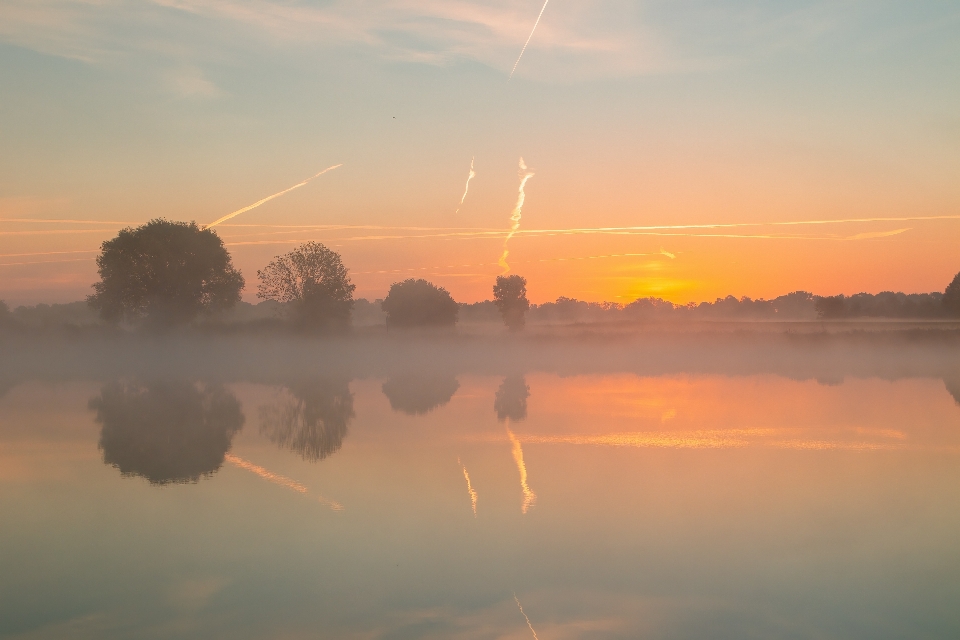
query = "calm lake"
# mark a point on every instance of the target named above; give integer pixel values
(518, 504)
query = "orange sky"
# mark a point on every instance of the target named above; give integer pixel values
(722, 114)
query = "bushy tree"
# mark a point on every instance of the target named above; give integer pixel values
(951, 297)
(164, 272)
(510, 296)
(417, 303)
(314, 281)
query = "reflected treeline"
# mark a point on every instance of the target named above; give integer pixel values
(416, 393)
(312, 420)
(170, 431)
(510, 403)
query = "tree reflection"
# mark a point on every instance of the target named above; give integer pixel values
(511, 399)
(313, 420)
(417, 394)
(953, 387)
(166, 431)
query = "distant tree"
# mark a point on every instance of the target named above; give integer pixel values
(314, 281)
(164, 272)
(830, 307)
(313, 419)
(510, 296)
(951, 297)
(416, 303)
(167, 432)
(510, 401)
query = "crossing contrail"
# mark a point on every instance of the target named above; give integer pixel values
(268, 198)
(515, 216)
(528, 39)
(470, 177)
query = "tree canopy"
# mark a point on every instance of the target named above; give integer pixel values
(417, 303)
(951, 297)
(314, 281)
(510, 296)
(164, 272)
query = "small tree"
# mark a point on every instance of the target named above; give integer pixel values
(951, 297)
(164, 272)
(314, 281)
(415, 303)
(510, 296)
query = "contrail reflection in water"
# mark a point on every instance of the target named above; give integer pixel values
(519, 606)
(275, 478)
(470, 490)
(529, 497)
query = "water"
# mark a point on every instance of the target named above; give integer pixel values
(608, 504)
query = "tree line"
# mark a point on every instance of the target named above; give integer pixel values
(165, 274)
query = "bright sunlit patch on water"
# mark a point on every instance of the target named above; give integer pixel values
(529, 497)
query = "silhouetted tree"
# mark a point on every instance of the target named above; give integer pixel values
(951, 297)
(417, 394)
(416, 303)
(313, 421)
(830, 307)
(510, 401)
(167, 432)
(314, 281)
(510, 296)
(165, 272)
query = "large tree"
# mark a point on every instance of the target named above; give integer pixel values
(164, 272)
(313, 280)
(418, 303)
(510, 296)
(951, 297)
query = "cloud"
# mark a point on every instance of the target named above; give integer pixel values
(190, 82)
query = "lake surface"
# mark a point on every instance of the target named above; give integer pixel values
(530, 504)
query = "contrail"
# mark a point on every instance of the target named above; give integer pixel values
(528, 42)
(529, 497)
(878, 234)
(515, 216)
(473, 494)
(268, 198)
(275, 478)
(517, 600)
(470, 177)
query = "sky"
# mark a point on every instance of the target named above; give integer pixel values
(679, 149)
